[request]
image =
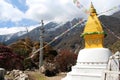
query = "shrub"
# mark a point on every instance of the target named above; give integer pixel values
(29, 64)
(22, 47)
(10, 60)
(50, 69)
(65, 60)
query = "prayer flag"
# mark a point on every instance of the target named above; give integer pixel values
(78, 4)
(81, 20)
(86, 11)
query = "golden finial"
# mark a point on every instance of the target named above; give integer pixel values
(92, 9)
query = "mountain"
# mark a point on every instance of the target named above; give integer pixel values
(5, 38)
(117, 14)
(115, 47)
(51, 29)
(72, 39)
(51, 33)
(9, 38)
(74, 42)
(35, 33)
(111, 27)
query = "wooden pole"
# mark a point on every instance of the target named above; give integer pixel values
(41, 44)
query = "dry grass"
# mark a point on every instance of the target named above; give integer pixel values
(58, 77)
(35, 75)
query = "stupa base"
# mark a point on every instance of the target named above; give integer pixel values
(90, 64)
(86, 72)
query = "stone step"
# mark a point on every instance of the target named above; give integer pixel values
(84, 69)
(80, 76)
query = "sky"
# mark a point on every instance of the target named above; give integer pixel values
(15, 15)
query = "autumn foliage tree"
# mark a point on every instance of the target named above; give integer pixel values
(10, 60)
(48, 51)
(22, 47)
(26, 48)
(65, 59)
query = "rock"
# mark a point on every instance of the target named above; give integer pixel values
(42, 69)
(18, 75)
(8, 72)
(22, 76)
(50, 69)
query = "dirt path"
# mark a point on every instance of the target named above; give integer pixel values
(35, 75)
(58, 77)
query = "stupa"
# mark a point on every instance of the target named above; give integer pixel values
(93, 59)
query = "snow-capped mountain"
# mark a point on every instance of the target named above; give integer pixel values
(72, 38)
(7, 37)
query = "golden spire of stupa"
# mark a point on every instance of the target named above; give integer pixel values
(92, 9)
(93, 32)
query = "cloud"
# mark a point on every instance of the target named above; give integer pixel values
(9, 12)
(49, 10)
(63, 10)
(103, 5)
(6, 30)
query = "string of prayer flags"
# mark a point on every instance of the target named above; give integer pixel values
(81, 20)
(80, 6)
(116, 7)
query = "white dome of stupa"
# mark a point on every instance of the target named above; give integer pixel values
(97, 55)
